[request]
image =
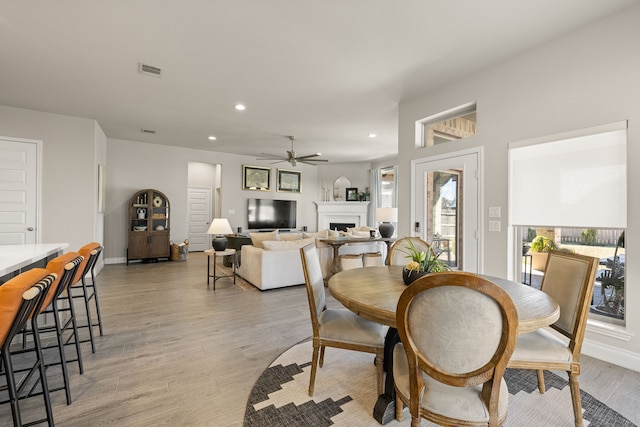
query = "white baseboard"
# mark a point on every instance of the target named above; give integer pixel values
(617, 356)
(121, 260)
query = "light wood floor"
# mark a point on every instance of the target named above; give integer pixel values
(177, 353)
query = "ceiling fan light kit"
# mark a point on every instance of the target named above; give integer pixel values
(292, 158)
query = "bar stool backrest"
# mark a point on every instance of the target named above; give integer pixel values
(11, 300)
(90, 252)
(64, 267)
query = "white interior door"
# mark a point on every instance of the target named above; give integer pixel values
(447, 207)
(199, 214)
(18, 191)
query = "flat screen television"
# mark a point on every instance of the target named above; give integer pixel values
(271, 214)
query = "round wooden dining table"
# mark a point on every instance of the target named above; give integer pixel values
(373, 293)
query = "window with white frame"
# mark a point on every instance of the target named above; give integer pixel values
(450, 125)
(571, 189)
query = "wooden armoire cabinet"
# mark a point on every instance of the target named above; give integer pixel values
(148, 226)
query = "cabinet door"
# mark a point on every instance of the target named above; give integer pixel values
(138, 245)
(159, 245)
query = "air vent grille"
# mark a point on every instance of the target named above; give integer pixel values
(148, 131)
(149, 70)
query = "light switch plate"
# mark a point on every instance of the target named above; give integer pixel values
(494, 212)
(232, 211)
(494, 225)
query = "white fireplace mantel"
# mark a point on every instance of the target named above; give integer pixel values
(341, 212)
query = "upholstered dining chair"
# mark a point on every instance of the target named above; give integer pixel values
(457, 333)
(20, 301)
(569, 279)
(86, 289)
(339, 328)
(396, 256)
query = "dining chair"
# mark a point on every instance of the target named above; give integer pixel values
(338, 328)
(20, 301)
(83, 288)
(397, 255)
(569, 279)
(457, 332)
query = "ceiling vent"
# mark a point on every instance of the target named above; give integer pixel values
(149, 70)
(148, 131)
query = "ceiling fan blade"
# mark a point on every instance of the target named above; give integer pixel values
(312, 161)
(266, 156)
(308, 156)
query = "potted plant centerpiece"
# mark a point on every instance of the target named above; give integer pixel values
(422, 262)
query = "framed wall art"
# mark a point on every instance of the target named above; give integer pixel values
(289, 181)
(256, 178)
(352, 194)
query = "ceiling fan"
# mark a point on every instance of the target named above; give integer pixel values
(292, 157)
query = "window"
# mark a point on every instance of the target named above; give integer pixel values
(572, 189)
(388, 187)
(450, 125)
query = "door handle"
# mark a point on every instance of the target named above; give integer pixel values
(29, 228)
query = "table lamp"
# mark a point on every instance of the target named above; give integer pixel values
(386, 216)
(219, 227)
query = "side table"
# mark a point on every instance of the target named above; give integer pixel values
(211, 253)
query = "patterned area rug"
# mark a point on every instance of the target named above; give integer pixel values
(345, 393)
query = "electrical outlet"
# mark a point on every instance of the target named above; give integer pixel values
(494, 225)
(494, 212)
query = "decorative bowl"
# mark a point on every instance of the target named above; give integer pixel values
(140, 228)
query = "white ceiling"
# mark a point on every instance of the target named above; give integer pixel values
(328, 72)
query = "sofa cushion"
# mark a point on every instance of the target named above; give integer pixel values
(323, 234)
(258, 238)
(289, 236)
(286, 245)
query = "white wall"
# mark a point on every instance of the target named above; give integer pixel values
(135, 165)
(358, 174)
(586, 78)
(71, 150)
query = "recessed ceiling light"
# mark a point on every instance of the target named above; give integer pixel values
(240, 107)
(212, 138)
(372, 135)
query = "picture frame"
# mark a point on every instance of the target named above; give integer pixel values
(352, 194)
(289, 181)
(256, 178)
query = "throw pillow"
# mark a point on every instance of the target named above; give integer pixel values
(320, 234)
(289, 236)
(258, 238)
(287, 245)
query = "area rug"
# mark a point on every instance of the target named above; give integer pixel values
(345, 393)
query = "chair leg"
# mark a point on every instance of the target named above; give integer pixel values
(43, 372)
(76, 336)
(12, 388)
(540, 374)
(399, 407)
(574, 385)
(61, 352)
(96, 302)
(314, 364)
(85, 295)
(321, 356)
(380, 370)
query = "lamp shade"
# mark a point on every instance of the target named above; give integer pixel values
(387, 214)
(220, 226)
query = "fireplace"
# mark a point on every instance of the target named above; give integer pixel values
(341, 226)
(349, 214)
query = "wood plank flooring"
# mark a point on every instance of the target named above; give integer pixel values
(177, 353)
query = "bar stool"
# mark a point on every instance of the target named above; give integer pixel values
(350, 261)
(20, 298)
(373, 259)
(81, 287)
(64, 267)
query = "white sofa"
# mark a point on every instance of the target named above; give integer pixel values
(277, 263)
